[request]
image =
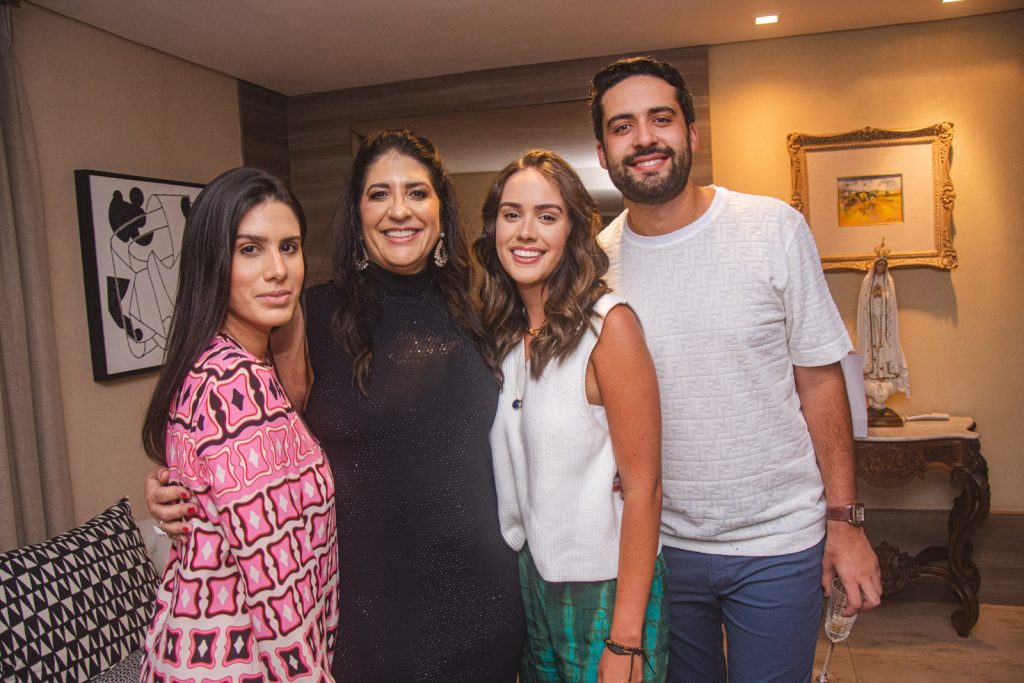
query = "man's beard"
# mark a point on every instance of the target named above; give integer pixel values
(651, 190)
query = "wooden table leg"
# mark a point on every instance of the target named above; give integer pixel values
(894, 462)
(970, 508)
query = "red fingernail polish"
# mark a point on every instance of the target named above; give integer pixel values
(186, 529)
(184, 495)
(192, 510)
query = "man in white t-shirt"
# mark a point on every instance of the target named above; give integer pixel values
(757, 443)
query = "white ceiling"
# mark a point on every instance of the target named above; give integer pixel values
(303, 46)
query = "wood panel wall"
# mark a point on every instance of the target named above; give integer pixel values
(263, 120)
(320, 134)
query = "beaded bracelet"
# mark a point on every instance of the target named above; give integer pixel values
(630, 651)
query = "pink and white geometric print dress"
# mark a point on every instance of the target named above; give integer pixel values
(252, 595)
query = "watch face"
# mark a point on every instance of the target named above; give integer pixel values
(857, 514)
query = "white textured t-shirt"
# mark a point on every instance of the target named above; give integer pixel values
(729, 304)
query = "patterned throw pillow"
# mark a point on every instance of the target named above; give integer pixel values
(74, 605)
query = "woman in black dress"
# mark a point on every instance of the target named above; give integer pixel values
(402, 401)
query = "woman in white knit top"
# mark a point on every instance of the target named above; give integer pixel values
(579, 414)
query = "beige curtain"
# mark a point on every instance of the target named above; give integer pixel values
(35, 486)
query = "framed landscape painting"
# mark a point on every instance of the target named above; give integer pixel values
(856, 189)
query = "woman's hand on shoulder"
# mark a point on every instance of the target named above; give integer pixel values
(169, 504)
(291, 359)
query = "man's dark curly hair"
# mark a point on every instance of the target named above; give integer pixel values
(620, 70)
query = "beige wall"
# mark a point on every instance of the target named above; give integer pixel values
(961, 330)
(101, 102)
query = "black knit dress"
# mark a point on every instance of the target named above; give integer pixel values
(428, 589)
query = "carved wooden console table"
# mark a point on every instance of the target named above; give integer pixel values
(893, 456)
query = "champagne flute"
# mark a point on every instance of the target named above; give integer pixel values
(837, 627)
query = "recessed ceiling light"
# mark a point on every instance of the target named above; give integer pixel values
(766, 19)
(945, 1)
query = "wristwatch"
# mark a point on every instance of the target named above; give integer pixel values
(854, 514)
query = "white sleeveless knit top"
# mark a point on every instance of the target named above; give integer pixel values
(554, 466)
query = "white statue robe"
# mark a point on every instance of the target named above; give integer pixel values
(878, 337)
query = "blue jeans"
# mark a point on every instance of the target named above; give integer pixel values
(770, 606)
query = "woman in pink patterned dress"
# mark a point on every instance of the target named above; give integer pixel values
(252, 593)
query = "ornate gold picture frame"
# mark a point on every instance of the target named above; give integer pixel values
(857, 188)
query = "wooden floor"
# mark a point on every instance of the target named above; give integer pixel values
(914, 642)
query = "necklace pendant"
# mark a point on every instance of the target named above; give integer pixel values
(516, 403)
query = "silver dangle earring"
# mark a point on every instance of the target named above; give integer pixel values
(440, 253)
(363, 262)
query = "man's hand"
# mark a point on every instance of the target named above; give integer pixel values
(849, 555)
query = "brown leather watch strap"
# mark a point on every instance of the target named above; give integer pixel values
(853, 514)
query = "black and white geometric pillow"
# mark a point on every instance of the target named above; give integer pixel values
(73, 606)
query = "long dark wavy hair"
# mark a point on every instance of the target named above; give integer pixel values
(204, 283)
(357, 299)
(572, 289)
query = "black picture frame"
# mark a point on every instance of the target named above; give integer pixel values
(130, 229)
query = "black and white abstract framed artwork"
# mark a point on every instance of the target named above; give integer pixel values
(131, 229)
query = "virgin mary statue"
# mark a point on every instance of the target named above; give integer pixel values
(878, 339)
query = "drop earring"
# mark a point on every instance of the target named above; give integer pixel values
(440, 253)
(363, 260)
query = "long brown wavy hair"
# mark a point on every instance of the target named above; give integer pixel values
(572, 289)
(357, 297)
